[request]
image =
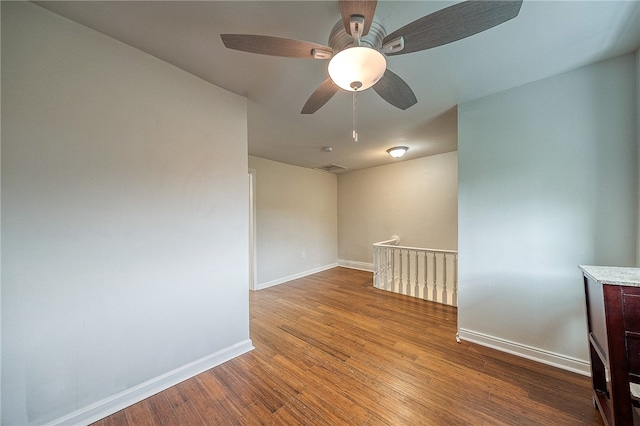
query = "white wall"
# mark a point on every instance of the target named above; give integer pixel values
(296, 224)
(547, 180)
(415, 199)
(638, 141)
(124, 233)
(1, 327)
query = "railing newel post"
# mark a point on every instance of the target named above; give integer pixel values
(454, 299)
(376, 268)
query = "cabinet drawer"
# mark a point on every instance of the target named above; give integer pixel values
(633, 354)
(631, 306)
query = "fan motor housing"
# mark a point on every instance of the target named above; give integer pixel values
(339, 39)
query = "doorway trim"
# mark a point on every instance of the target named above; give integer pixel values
(252, 230)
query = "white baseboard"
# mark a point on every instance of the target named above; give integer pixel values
(295, 276)
(535, 354)
(117, 402)
(362, 266)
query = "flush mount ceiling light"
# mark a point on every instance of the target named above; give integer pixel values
(357, 68)
(397, 151)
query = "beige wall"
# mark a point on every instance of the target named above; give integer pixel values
(124, 222)
(296, 224)
(415, 199)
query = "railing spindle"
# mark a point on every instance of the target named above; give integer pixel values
(416, 288)
(400, 285)
(385, 266)
(392, 278)
(408, 290)
(435, 277)
(425, 294)
(444, 279)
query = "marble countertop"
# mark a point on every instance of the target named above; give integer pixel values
(613, 274)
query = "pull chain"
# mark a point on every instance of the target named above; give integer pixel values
(355, 118)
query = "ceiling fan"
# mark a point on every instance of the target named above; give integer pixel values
(358, 46)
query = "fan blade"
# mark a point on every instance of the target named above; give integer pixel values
(320, 96)
(395, 90)
(453, 23)
(276, 46)
(366, 8)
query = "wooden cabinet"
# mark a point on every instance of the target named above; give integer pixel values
(613, 319)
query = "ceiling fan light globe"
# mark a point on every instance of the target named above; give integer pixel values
(357, 68)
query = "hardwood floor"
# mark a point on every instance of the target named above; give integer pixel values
(332, 350)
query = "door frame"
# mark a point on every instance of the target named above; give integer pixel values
(252, 230)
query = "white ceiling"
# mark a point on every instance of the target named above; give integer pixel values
(547, 38)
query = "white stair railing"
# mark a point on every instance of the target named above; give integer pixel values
(429, 274)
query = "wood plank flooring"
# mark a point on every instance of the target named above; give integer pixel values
(332, 350)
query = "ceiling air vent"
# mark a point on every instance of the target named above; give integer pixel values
(331, 168)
